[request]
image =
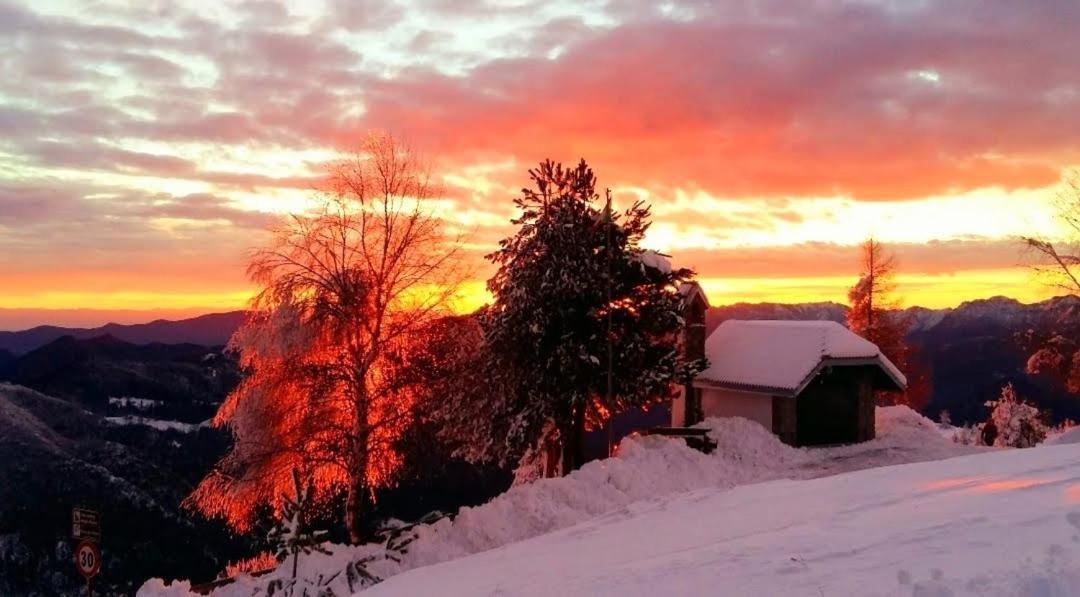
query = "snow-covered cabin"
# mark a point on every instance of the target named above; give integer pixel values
(810, 382)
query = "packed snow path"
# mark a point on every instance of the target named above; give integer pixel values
(1000, 523)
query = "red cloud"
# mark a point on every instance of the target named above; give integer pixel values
(836, 105)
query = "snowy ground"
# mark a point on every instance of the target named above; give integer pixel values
(647, 469)
(1003, 523)
(159, 424)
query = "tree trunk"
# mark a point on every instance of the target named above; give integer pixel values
(359, 497)
(573, 455)
(357, 509)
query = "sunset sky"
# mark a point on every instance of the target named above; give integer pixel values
(145, 146)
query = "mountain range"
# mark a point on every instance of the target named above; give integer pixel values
(967, 354)
(213, 329)
(998, 311)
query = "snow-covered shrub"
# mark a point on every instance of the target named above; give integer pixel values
(1018, 424)
(969, 435)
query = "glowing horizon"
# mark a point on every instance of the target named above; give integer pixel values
(940, 291)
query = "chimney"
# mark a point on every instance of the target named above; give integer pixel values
(692, 344)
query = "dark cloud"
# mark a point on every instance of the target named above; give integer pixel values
(49, 223)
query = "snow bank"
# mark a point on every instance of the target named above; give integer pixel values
(645, 468)
(999, 523)
(903, 436)
(1072, 436)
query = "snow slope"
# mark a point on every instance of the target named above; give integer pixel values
(1070, 436)
(646, 468)
(1002, 523)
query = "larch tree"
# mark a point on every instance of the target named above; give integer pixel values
(347, 292)
(1058, 264)
(873, 310)
(572, 281)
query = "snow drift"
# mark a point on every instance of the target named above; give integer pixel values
(996, 524)
(645, 468)
(1070, 436)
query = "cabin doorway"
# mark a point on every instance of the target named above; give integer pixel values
(828, 411)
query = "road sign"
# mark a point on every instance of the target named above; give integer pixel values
(88, 559)
(85, 525)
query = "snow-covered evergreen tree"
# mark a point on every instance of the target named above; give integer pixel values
(1019, 424)
(572, 279)
(291, 535)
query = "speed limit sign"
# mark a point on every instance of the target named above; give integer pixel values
(88, 559)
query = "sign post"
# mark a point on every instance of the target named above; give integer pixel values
(86, 529)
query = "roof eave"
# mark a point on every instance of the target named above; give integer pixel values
(701, 383)
(900, 384)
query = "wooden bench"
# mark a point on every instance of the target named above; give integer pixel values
(695, 437)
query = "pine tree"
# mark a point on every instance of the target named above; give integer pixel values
(290, 536)
(571, 281)
(873, 311)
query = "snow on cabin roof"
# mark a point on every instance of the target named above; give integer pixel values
(655, 260)
(690, 289)
(784, 356)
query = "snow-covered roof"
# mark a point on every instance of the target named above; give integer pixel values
(655, 260)
(689, 290)
(782, 357)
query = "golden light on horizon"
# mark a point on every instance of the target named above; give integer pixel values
(923, 290)
(128, 300)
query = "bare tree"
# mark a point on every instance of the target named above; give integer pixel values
(1059, 261)
(347, 292)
